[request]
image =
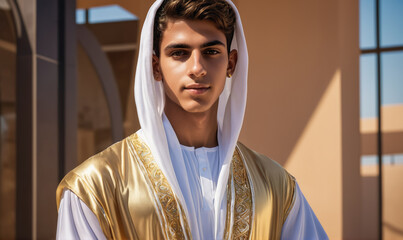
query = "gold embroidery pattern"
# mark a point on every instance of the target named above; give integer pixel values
(243, 207)
(168, 203)
(227, 229)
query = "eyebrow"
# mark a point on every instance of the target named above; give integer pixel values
(182, 45)
(212, 43)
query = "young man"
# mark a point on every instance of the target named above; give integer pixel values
(183, 175)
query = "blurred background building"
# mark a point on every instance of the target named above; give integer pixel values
(325, 100)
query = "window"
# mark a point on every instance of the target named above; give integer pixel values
(381, 109)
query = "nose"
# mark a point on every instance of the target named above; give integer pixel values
(196, 65)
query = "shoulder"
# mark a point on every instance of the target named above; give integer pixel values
(103, 169)
(268, 167)
(270, 180)
(104, 162)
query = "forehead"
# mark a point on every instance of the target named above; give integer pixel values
(188, 31)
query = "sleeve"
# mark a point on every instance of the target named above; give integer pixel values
(76, 220)
(301, 222)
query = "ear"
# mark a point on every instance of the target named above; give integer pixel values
(232, 60)
(156, 68)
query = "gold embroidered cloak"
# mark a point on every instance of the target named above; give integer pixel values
(132, 199)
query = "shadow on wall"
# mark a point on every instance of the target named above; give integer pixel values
(289, 73)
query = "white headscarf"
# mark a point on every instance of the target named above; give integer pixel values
(150, 101)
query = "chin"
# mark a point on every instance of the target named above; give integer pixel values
(197, 108)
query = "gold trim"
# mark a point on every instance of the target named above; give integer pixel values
(239, 197)
(228, 221)
(239, 201)
(289, 204)
(167, 203)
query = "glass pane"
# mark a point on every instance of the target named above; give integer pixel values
(368, 86)
(7, 123)
(392, 77)
(369, 144)
(367, 24)
(80, 16)
(112, 13)
(391, 14)
(369, 197)
(369, 160)
(392, 142)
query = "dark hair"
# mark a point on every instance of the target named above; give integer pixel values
(219, 12)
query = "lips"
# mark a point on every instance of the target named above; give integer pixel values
(197, 88)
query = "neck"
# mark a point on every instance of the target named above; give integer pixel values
(193, 129)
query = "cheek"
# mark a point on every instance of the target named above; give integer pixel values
(172, 69)
(172, 80)
(219, 69)
(220, 64)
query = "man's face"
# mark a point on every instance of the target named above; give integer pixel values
(193, 64)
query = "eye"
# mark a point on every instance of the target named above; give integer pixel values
(178, 53)
(211, 52)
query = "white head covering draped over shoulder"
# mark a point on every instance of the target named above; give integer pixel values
(150, 102)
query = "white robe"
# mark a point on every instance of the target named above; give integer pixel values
(76, 221)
